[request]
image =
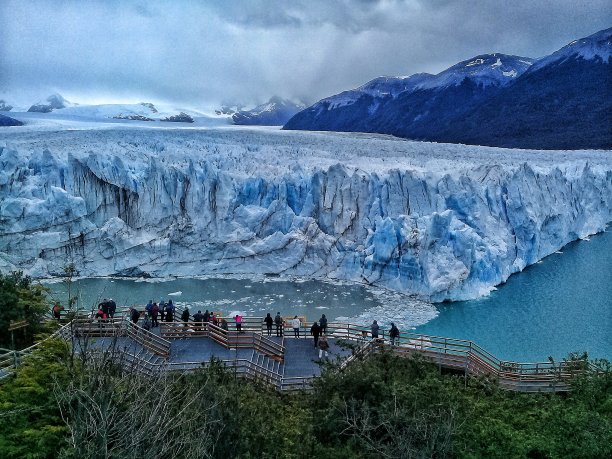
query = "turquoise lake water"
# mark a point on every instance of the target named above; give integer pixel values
(562, 304)
(559, 305)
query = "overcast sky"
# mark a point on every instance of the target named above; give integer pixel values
(203, 53)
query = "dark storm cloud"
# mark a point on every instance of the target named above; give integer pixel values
(199, 53)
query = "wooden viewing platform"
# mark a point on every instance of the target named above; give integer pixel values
(287, 363)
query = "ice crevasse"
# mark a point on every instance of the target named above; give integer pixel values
(444, 235)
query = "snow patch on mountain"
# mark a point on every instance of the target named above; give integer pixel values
(594, 47)
(485, 70)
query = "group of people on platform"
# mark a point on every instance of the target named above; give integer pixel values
(318, 330)
(210, 317)
(106, 309)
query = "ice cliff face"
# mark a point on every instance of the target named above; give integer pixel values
(443, 221)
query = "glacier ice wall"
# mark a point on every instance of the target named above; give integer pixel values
(441, 235)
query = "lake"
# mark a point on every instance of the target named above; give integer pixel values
(559, 305)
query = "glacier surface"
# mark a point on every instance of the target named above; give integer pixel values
(439, 220)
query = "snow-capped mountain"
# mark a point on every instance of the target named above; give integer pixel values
(563, 101)
(53, 102)
(596, 47)
(380, 87)
(492, 99)
(275, 112)
(8, 121)
(484, 70)
(5, 106)
(415, 102)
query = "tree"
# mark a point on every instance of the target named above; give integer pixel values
(21, 299)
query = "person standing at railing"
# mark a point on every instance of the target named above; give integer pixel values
(295, 324)
(134, 315)
(315, 331)
(224, 325)
(206, 316)
(185, 316)
(57, 311)
(238, 319)
(278, 320)
(269, 321)
(323, 346)
(394, 334)
(323, 324)
(154, 314)
(112, 308)
(170, 311)
(162, 310)
(375, 329)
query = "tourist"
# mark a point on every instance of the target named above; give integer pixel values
(207, 316)
(315, 331)
(323, 324)
(57, 311)
(269, 321)
(238, 319)
(323, 346)
(394, 334)
(224, 325)
(100, 314)
(213, 319)
(104, 307)
(170, 311)
(147, 323)
(112, 308)
(295, 324)
(154, 314)
(134, 315)
(375, 329)
(185, 316)
(149, 307)
(278, 320)
(162, 310)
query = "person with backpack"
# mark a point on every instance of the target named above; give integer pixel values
(269, 321)
(394, 334)
(278, 320)
(315, 331)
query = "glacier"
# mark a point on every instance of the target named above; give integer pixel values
(442, 221)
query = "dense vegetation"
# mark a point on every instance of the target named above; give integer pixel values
(21, 299)
(86, 405)
(62, 405)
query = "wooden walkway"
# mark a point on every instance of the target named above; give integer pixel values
(287, 363)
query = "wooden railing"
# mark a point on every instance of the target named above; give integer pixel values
(227, 338)
(147, 339)
(470, 358)
(10, 359)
